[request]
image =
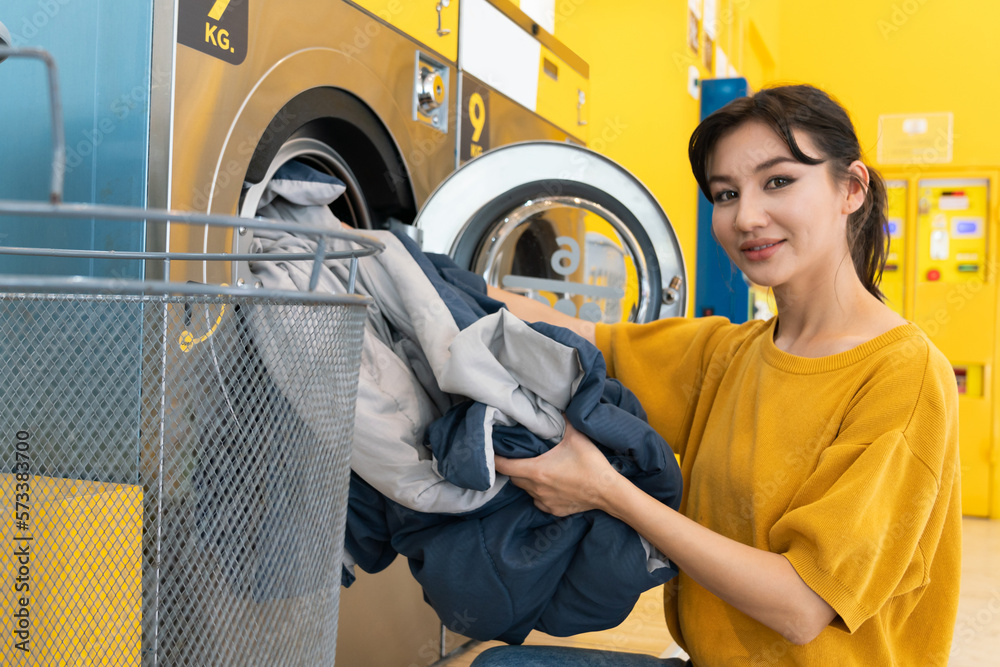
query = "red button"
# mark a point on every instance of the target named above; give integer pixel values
(933, 275)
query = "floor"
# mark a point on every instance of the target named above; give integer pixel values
(977, 632)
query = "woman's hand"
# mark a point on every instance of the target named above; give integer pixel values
(574, 476)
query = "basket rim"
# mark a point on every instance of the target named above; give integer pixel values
(95, 288)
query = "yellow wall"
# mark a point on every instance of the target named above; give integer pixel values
(903, 56)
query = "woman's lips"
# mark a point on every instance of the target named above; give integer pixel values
(760, 249)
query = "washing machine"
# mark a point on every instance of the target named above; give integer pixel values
(421, 109)
(335, 86)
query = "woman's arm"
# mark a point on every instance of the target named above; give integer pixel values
(574, 476)
(530, 310)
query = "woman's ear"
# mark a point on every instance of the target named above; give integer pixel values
(857, 187)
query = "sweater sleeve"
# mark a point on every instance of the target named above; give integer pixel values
(665, 364)
(864, 528)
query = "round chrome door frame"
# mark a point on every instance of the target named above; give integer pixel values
(463, 207)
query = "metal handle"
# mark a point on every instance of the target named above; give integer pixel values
(58, 137)
(441, 5)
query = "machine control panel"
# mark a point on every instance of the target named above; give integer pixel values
(951, 228)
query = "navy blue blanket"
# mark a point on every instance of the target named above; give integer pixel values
(508, 568)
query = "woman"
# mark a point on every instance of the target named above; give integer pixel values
(821, 519)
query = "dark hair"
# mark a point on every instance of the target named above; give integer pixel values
(808, 109)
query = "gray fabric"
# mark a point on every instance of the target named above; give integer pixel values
(503, 362)
(414, 359)
(294, 191)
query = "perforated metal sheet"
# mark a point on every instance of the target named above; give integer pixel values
(174, 474)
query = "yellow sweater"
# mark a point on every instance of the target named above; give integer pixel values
(847, 465)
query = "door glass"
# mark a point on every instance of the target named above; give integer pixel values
(568, 253)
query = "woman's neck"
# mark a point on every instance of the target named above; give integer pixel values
(830, 319)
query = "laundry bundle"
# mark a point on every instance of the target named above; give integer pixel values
(449, 378)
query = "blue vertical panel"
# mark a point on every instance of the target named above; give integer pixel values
(102, 49)
(88, 419)
(719, 288)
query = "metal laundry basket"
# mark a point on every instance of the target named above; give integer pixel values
(174, 463)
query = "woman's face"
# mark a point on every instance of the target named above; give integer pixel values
(782, 222)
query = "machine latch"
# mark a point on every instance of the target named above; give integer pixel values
(430, 92)
(672, 292)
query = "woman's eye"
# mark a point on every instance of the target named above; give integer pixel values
(779, 182)
(723, 196)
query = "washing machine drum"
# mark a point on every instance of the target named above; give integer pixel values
(561, 224)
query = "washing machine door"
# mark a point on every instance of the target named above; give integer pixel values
(561, 224)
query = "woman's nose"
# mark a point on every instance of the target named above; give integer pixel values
(750, 213)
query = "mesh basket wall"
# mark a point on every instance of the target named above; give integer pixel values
(174, 474)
